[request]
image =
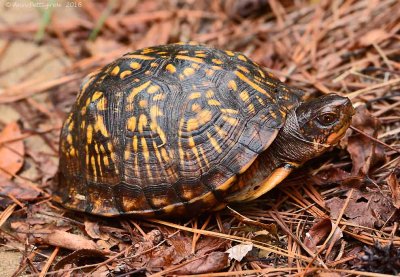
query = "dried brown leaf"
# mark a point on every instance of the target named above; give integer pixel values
(369, 209)
(394, 186)
(365, 153)
(11, 152)
(17, 190)
(319, 232)
(213, 262)
(62, 239)
(79, 257)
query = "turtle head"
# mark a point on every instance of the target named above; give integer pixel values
(324, 120)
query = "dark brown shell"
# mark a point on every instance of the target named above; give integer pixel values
(166, 130)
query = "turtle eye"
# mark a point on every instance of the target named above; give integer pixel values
(327, 118)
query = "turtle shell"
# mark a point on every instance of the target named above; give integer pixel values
(165, 130)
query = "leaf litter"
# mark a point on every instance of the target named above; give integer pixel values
(338, 214)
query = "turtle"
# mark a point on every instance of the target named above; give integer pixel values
(180, 129)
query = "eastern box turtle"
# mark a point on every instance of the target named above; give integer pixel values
(178, 129)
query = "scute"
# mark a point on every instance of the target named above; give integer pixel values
(165, 125)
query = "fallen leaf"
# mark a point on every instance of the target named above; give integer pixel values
(238, 252)
(11, 150)
(330, 176)
(81, 257)
(62, 239)
(369, 209)
(365, 153)
(319, 232)
(92, 229)
(212, 262)
(394, 186)
(18, 190)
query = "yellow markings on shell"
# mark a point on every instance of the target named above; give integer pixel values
(143, 103)
(142, 122)
(96, 95)
(196, 107)
(196, 66)
(72, 152)
(136, 90)
(201, 55)
(251, 108)
(209, 72)
(171, 68)
(147, 50)
(217, 61)
(188, 58)
(100, 126)
(162, 53)
(230, 111)
(191, 142)
(155, 112)
(188, 71)
(260, 100)
(232, 85)
(148, 72)
(251, 83)
(115, 71)
(136, 80)
(214, 143)
(192, 124)
(216, 67)
(272, 114)
(201, 118)
(102, 149)
(125, 73)
(127, 154)
(209, 93)
(102, 104)
(164, 155)
(154, 64)
(135, 65)
(135, 144)
(106, 161)
(244, 69)
(220, 132)
(242, 57)
(194, 95)
(183, 52)
(89, 134)
(131, 123)
(93, 163)
(83, 124)
(69, 139)
(214, 102)
(231, 120)
(157, 129)
(139, 57)
(244, 95)
(153, 89)
(261, 73)
(159, 97)
(230, 53)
